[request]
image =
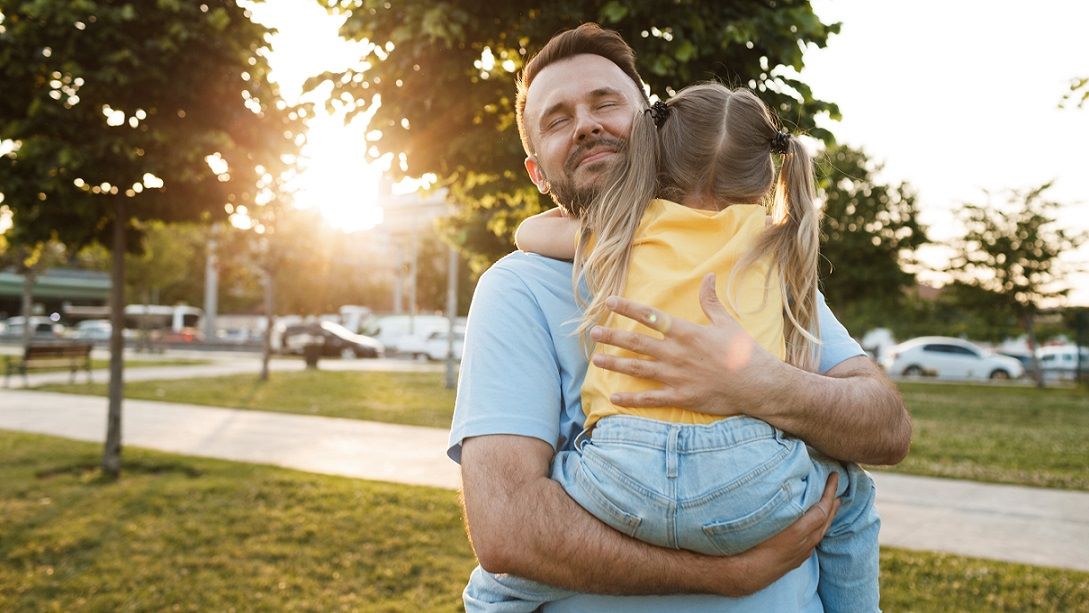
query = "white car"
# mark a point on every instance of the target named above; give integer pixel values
(948, 358)
(433, 346)
(41, 328)
(92, 330)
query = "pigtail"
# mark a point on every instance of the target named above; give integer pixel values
(795, 239)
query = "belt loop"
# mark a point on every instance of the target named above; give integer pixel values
(671, 452)
(581, 439)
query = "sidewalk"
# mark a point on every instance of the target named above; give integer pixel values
(1021, 524)
(220, 366)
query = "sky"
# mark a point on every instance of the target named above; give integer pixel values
(960, 97)
(952, 97)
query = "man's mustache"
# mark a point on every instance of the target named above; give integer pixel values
(576, 156)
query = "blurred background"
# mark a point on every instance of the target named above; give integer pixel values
(280, 163)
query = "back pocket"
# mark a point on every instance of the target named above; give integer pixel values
(730, 537)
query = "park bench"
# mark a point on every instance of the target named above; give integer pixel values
(72, 356)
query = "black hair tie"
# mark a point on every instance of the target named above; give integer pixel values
(780, 143)
(659, 112)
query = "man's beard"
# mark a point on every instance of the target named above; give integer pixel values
(575, 199)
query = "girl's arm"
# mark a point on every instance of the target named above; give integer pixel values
(552, 234)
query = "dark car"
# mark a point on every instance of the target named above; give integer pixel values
(336, 340)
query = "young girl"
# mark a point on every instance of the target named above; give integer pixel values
(689, 199)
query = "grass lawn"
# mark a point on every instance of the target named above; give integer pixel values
(999, 434)
(186, 533)
(418, 399)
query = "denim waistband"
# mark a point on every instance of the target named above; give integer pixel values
(681, 437)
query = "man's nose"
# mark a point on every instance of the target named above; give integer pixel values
(587, 126)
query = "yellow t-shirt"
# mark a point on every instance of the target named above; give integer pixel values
(674, 248)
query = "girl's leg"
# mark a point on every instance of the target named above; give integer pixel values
(848, 554)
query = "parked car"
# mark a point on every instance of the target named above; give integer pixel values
(92, 330)
(336, 340)
(1061, 363)
(42, 328)
(433, 346)
(949, 358)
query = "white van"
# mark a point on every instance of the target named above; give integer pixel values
(1061, 363)
(391, 329)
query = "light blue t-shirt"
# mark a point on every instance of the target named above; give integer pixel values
(521, 373)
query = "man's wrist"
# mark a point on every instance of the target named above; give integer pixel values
(765, 393)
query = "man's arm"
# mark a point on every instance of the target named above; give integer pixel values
(521, 522)
(852, 413)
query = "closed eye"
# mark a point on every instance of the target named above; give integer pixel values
(555, 123)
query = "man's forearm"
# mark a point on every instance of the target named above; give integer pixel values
(852, 413)
(521, 522)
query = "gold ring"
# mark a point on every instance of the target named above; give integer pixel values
(661, 324)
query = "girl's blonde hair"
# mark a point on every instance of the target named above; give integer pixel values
(715, 143)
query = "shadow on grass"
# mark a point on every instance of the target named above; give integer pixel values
(92, 471)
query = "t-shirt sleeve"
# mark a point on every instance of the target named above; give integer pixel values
(510, 374)
(836, 344)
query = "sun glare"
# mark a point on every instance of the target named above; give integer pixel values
(335, 177)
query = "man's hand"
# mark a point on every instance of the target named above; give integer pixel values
(784, 552)
(716, 368)
(852, 413)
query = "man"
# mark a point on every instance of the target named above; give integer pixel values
(518, 398)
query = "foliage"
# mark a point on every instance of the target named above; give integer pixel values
(432, 268)
(1014, 253)
(1078, 94)
(868, 238)
(1011, 252)
(967, 311)
(439, 78)
(107, 100)
(119, 114)
(199, 534)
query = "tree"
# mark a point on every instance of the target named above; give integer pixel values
(870, 233)
(431, 275)
(1078, 94)
(122, 113)
(1012, 252)
(439, 79)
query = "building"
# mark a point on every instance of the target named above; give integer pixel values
(54, 290)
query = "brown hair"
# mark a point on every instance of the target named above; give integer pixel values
(715, 143)
(588, 38)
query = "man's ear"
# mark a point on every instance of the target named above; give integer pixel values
(535, 175)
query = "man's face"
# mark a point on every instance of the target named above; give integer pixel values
(578, 117)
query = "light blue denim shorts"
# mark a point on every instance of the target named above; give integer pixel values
(717, 489)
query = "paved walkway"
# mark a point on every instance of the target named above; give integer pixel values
(1030, 525)
(218, 366)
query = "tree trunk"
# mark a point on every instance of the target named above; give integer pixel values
(111, 457)
(451, 316)
(270, 322)
(30, 277)
(1028, 323)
